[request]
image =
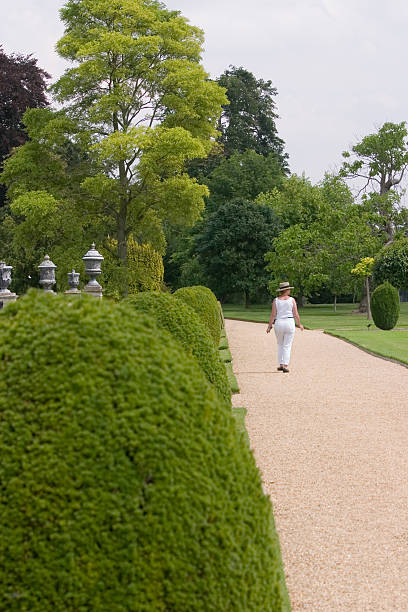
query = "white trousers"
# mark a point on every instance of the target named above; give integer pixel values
(284, 332)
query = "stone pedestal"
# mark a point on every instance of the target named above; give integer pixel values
(73, 292)
(95, 290)
(7, 297)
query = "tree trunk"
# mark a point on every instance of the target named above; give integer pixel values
(368, 298)
(122, 227)
(300, 300)
(246, 299)
(122, 247)
(335, 303)
(362, 307)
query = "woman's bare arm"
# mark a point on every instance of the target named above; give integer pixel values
(272, 317)
(296, 314)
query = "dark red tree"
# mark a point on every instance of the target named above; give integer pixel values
(22, 86)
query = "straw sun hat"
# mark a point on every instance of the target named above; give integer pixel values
(284, 286)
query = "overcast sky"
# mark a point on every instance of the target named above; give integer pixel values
(339, 65)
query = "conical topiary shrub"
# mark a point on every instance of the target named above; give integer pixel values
(204, 302)
(385, 306)
(184, 324)
(124, 485)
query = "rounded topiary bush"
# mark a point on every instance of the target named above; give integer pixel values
(204, 302)
(184, 324)
(124, 485)
(385, 306)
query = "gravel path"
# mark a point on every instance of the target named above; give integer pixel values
(331, 441)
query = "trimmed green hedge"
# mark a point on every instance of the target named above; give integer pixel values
(385, 306)
(184, 324)
(124, 485)
(204, 302)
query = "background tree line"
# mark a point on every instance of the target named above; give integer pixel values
(150, 157)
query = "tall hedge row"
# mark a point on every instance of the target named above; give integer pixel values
(385, 306)
(185, 325)
(124, 485)
(204, 302)
(144, 270)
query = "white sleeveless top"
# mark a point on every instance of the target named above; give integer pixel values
(284, 308)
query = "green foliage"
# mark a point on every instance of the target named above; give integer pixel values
(296, 202)
(364, 267)
(124, 483)
(244, 176)
(385, 306)
(232, 246)
(145, 267)
(144, 270)
(22, 86)
(248, 121)
(46, 214)
(380, 158)
(326, 235)
(185, 325)
(136, 106)
(204, 302)
(387, 215)
(391, 264)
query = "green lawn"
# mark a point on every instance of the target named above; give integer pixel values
(314, 316)
(343, 324)
(392, 344)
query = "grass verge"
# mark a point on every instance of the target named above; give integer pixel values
(232, 378)
(225, 355)
(239, 414)
(391, 344)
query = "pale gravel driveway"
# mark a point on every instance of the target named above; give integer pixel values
(331, 441)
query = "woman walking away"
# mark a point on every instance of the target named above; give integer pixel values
(284, 314)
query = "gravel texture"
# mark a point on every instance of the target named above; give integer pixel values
(331, 441)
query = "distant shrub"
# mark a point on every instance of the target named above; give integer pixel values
(124, 484)
(385, 306)
(185, 325)
(204, 302)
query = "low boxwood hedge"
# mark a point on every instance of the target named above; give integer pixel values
(204, 302)
(184, 324)
(124, 485)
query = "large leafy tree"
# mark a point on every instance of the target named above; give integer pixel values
(137, 105)
(22, 86)
(380, 162)
(232, 247)
(325, 235)
(297, 201)
(242, 176)
(248, 121)
(379, 159)
(391, 264)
